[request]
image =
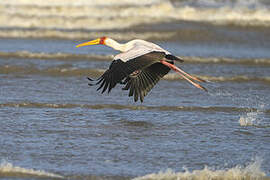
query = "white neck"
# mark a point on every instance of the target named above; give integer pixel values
(115, 45)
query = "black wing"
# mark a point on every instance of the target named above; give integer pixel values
(140, 85)
(119, 70)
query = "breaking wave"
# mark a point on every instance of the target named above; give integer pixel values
(58, 56)
(251, 171)
(250, 119)
(130, 107)
(67, 56)
(62, 70)
(68, 19)
(69, 70)
(9, 170)
(63, 34)
(240, 78)
(255, 117)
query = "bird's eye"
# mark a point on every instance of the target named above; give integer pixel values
(102, 40)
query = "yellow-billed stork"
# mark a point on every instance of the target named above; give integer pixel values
(139, 66)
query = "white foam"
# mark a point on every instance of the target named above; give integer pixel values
(113, 14)
(78, 2)
(9, 170)
(252, 118)
(51, 33)
(251, 171)
(249, 119)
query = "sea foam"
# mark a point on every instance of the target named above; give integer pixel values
(9, 170)
(251, 171)
(254, 118)
(109, 15)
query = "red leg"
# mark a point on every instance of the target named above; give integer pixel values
(184, 74)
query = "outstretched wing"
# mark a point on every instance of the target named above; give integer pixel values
(119, 69)
(139, 85)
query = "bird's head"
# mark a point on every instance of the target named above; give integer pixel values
(101, 40)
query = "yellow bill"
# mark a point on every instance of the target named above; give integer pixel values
(93, 42)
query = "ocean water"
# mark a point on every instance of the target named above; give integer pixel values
(54, 126)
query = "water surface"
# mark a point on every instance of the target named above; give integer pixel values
(54, 126)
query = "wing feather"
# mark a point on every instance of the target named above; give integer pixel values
(139, 74)
(131, 92)
(145, 81)
(102, 84)
(119, 70)
(136, 90)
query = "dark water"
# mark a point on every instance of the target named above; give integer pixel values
(54, 126)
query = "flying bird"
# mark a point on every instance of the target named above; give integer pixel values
(139, 66)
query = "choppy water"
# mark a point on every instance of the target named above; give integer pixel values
(54, 126)
(82, 18)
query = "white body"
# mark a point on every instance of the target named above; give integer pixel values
(133, 49)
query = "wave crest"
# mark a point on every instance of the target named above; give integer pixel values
(192, 59)
(59, 56)
(240, 78)
(9, 170)
(54, 19)
(62, 70)
(130, 107)
(252, 171)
